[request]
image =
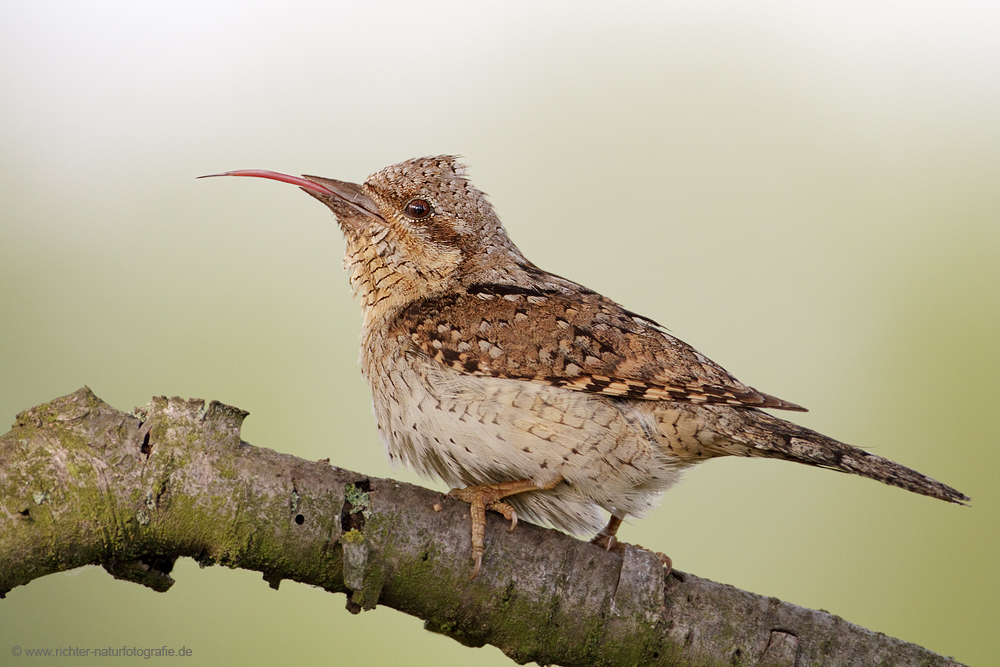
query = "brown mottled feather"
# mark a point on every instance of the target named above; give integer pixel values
(572, 338)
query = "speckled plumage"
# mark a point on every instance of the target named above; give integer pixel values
(486, 370)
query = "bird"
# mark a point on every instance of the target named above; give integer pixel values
(528, 393)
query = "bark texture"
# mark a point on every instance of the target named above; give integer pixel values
(82, 483)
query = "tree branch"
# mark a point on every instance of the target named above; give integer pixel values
(82, 483)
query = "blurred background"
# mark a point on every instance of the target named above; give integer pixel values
(808, 193)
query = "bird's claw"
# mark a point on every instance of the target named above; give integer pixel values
(480, 499)
(605, 542)
(606, 537)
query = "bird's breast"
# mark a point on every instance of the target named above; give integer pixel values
(467, 430)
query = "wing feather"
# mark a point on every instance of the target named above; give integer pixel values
(579, 340)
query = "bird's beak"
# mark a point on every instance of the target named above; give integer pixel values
(347, 200)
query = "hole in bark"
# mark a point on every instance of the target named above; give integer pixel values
(349, 522)
(299, 519)
(146, 448)
(25, 512)
(737, 654)
(352, 516)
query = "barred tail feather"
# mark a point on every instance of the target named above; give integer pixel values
(761, 434)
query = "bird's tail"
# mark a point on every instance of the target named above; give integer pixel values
(756, 433)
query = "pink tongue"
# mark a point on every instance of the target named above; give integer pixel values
(275, 176)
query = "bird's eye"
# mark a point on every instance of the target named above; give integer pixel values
(417, 209)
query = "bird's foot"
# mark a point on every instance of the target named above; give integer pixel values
(607, 540)
(489, 497)
(606, 537)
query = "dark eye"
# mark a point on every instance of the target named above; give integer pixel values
(417, 209)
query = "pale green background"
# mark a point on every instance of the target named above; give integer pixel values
(809, 194)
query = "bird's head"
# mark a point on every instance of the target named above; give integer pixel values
(414, 230)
